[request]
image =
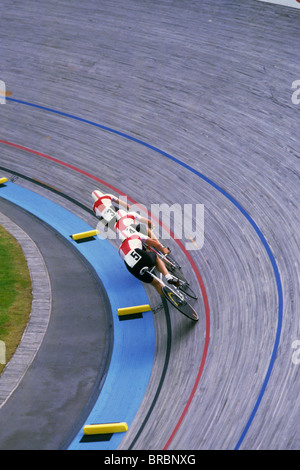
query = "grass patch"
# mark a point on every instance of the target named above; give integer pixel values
(15, 293)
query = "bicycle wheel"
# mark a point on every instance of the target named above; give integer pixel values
(179, 302)
(184, 284)
(186, 288)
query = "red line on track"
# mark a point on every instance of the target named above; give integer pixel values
(187, 254)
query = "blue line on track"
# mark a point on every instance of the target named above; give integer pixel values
(238, 206)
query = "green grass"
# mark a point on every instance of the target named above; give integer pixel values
(15, 293)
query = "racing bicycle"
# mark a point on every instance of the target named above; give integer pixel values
(174, 268)
(175, 295)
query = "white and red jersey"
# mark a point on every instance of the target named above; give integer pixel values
(102, 203)
(128, 247)
(123, 226)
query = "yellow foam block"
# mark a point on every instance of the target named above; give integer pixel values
(108, 428)
(3, 180)
(81, 235)
(132, 310)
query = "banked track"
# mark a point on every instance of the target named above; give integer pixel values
(206, 95)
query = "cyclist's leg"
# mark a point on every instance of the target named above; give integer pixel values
(161, 267)
(157, 286)
(150, 259)
(147, 259)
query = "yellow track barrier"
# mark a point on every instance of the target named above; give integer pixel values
(108, 428)
(3, 180)
(133, 310)
(82, 235)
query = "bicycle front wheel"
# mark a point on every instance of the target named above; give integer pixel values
(184, 284)
(179, 302)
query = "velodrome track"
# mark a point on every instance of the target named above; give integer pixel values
(179, 102)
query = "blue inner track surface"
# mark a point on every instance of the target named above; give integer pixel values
(134, 340)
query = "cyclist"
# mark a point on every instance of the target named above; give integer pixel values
(130, 222)
(102, 201)
(133, 230)
(120, 220)
(136, 258)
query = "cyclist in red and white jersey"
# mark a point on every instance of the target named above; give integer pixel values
(107, 209)
(103, 202)
(133, 230)
(130, 222)
(136, 258)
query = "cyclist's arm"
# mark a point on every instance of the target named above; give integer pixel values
(156, 244)
(120, 202)
(145, 221)
(123, 204)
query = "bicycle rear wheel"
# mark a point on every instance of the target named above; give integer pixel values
(180, 303)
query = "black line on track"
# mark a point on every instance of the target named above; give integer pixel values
(165, 304)
(50, 188)
(163, 375)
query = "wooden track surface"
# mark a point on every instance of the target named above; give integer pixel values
(209, 83)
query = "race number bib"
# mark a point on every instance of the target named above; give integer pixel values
(129, 231)
(126, 233)
(108, 214)
(132, 258)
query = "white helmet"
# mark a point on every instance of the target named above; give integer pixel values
(97, 194)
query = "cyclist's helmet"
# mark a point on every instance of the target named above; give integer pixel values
(97, 194)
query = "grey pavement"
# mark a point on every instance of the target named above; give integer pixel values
(61, 384)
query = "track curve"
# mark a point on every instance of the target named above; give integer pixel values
(206, 95)
(38, 413)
